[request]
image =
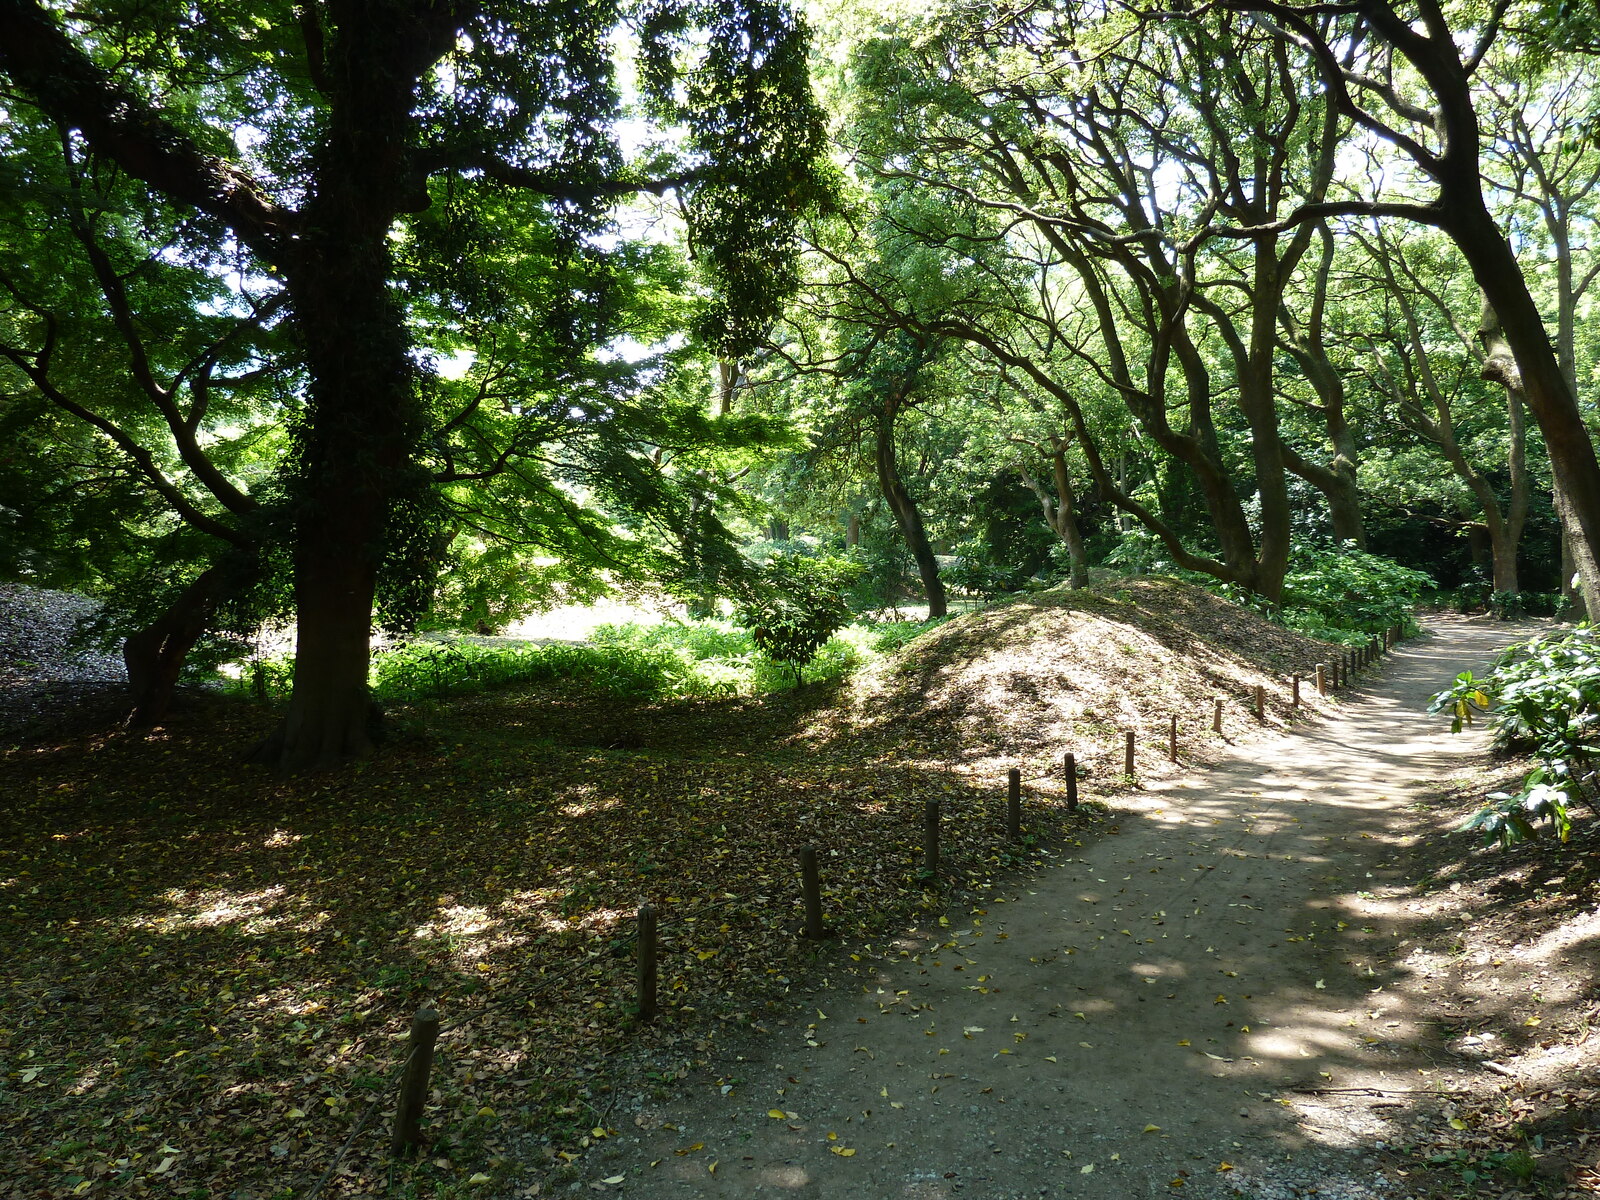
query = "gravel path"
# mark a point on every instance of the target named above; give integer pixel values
(1144, 1017)
(43, 680)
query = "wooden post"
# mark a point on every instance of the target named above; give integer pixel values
(1261, 703)
(1216, 715)
(1070, 766)
(414, 1084)
(647, 964)
(1172, 738)
(1294, 690)
(1014, 804)
(930, 838)
(1322, 679)
(811, 892)
(1127, 755)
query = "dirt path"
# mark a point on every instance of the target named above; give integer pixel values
(1132, 1019)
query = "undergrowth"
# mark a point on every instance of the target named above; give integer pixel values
(639, 662)
(1542, 697)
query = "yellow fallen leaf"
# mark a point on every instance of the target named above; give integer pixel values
(1183, 1041)
(843, 1151)
(1457, 1123)
(479, 1180)
(775, 1113)
(597, 1132)
(1086, 1169)
(1531, 1021)
(1321, 984)
(1152, 1129)
(1225, 1166)
(711, 1167)
(614, 1179)
(1050, 1058)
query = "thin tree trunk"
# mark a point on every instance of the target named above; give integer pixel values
(155, 655)
(1500, 366)
(905, 510)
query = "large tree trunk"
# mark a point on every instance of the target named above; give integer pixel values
(155, 655)
(905, 510)
(353, 465)
(1572, 456)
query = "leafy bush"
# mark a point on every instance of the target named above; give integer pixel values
(796, 604)
(432, 670)
(1543, 697)
(693, 658)
(976, 572)
(1348, 592)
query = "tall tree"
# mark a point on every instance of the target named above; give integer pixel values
(308, 134)
(1406, 78)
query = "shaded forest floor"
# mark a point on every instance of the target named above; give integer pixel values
(210, 970)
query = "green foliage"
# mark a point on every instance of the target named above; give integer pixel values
(712, 658)
(1542, 697)
(978, 571)
(795, 605)
(1347, 594)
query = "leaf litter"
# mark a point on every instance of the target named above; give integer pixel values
(210, 970)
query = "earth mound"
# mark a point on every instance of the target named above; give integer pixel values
(1062, 670)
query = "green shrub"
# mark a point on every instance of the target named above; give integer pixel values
(795, 605)
(655, 662)
(1348, 592)
(977, 571)
(1542, 697)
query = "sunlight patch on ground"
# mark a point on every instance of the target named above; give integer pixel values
(217, 907)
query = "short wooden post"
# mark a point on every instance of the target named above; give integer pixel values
(647, 964)
(1172, 738)
(811, 892)
(414, 1084)
(1216, 715)
(1261, 703)
(1322, 679)
(1127, 754)
(1014, 804)
(1294, 692)
(1070, 765)
(930, 838)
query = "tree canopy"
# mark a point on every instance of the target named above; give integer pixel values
(388, 312)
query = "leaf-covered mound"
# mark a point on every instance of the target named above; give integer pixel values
(1066, 670)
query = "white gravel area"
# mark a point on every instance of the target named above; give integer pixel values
(42, 676)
